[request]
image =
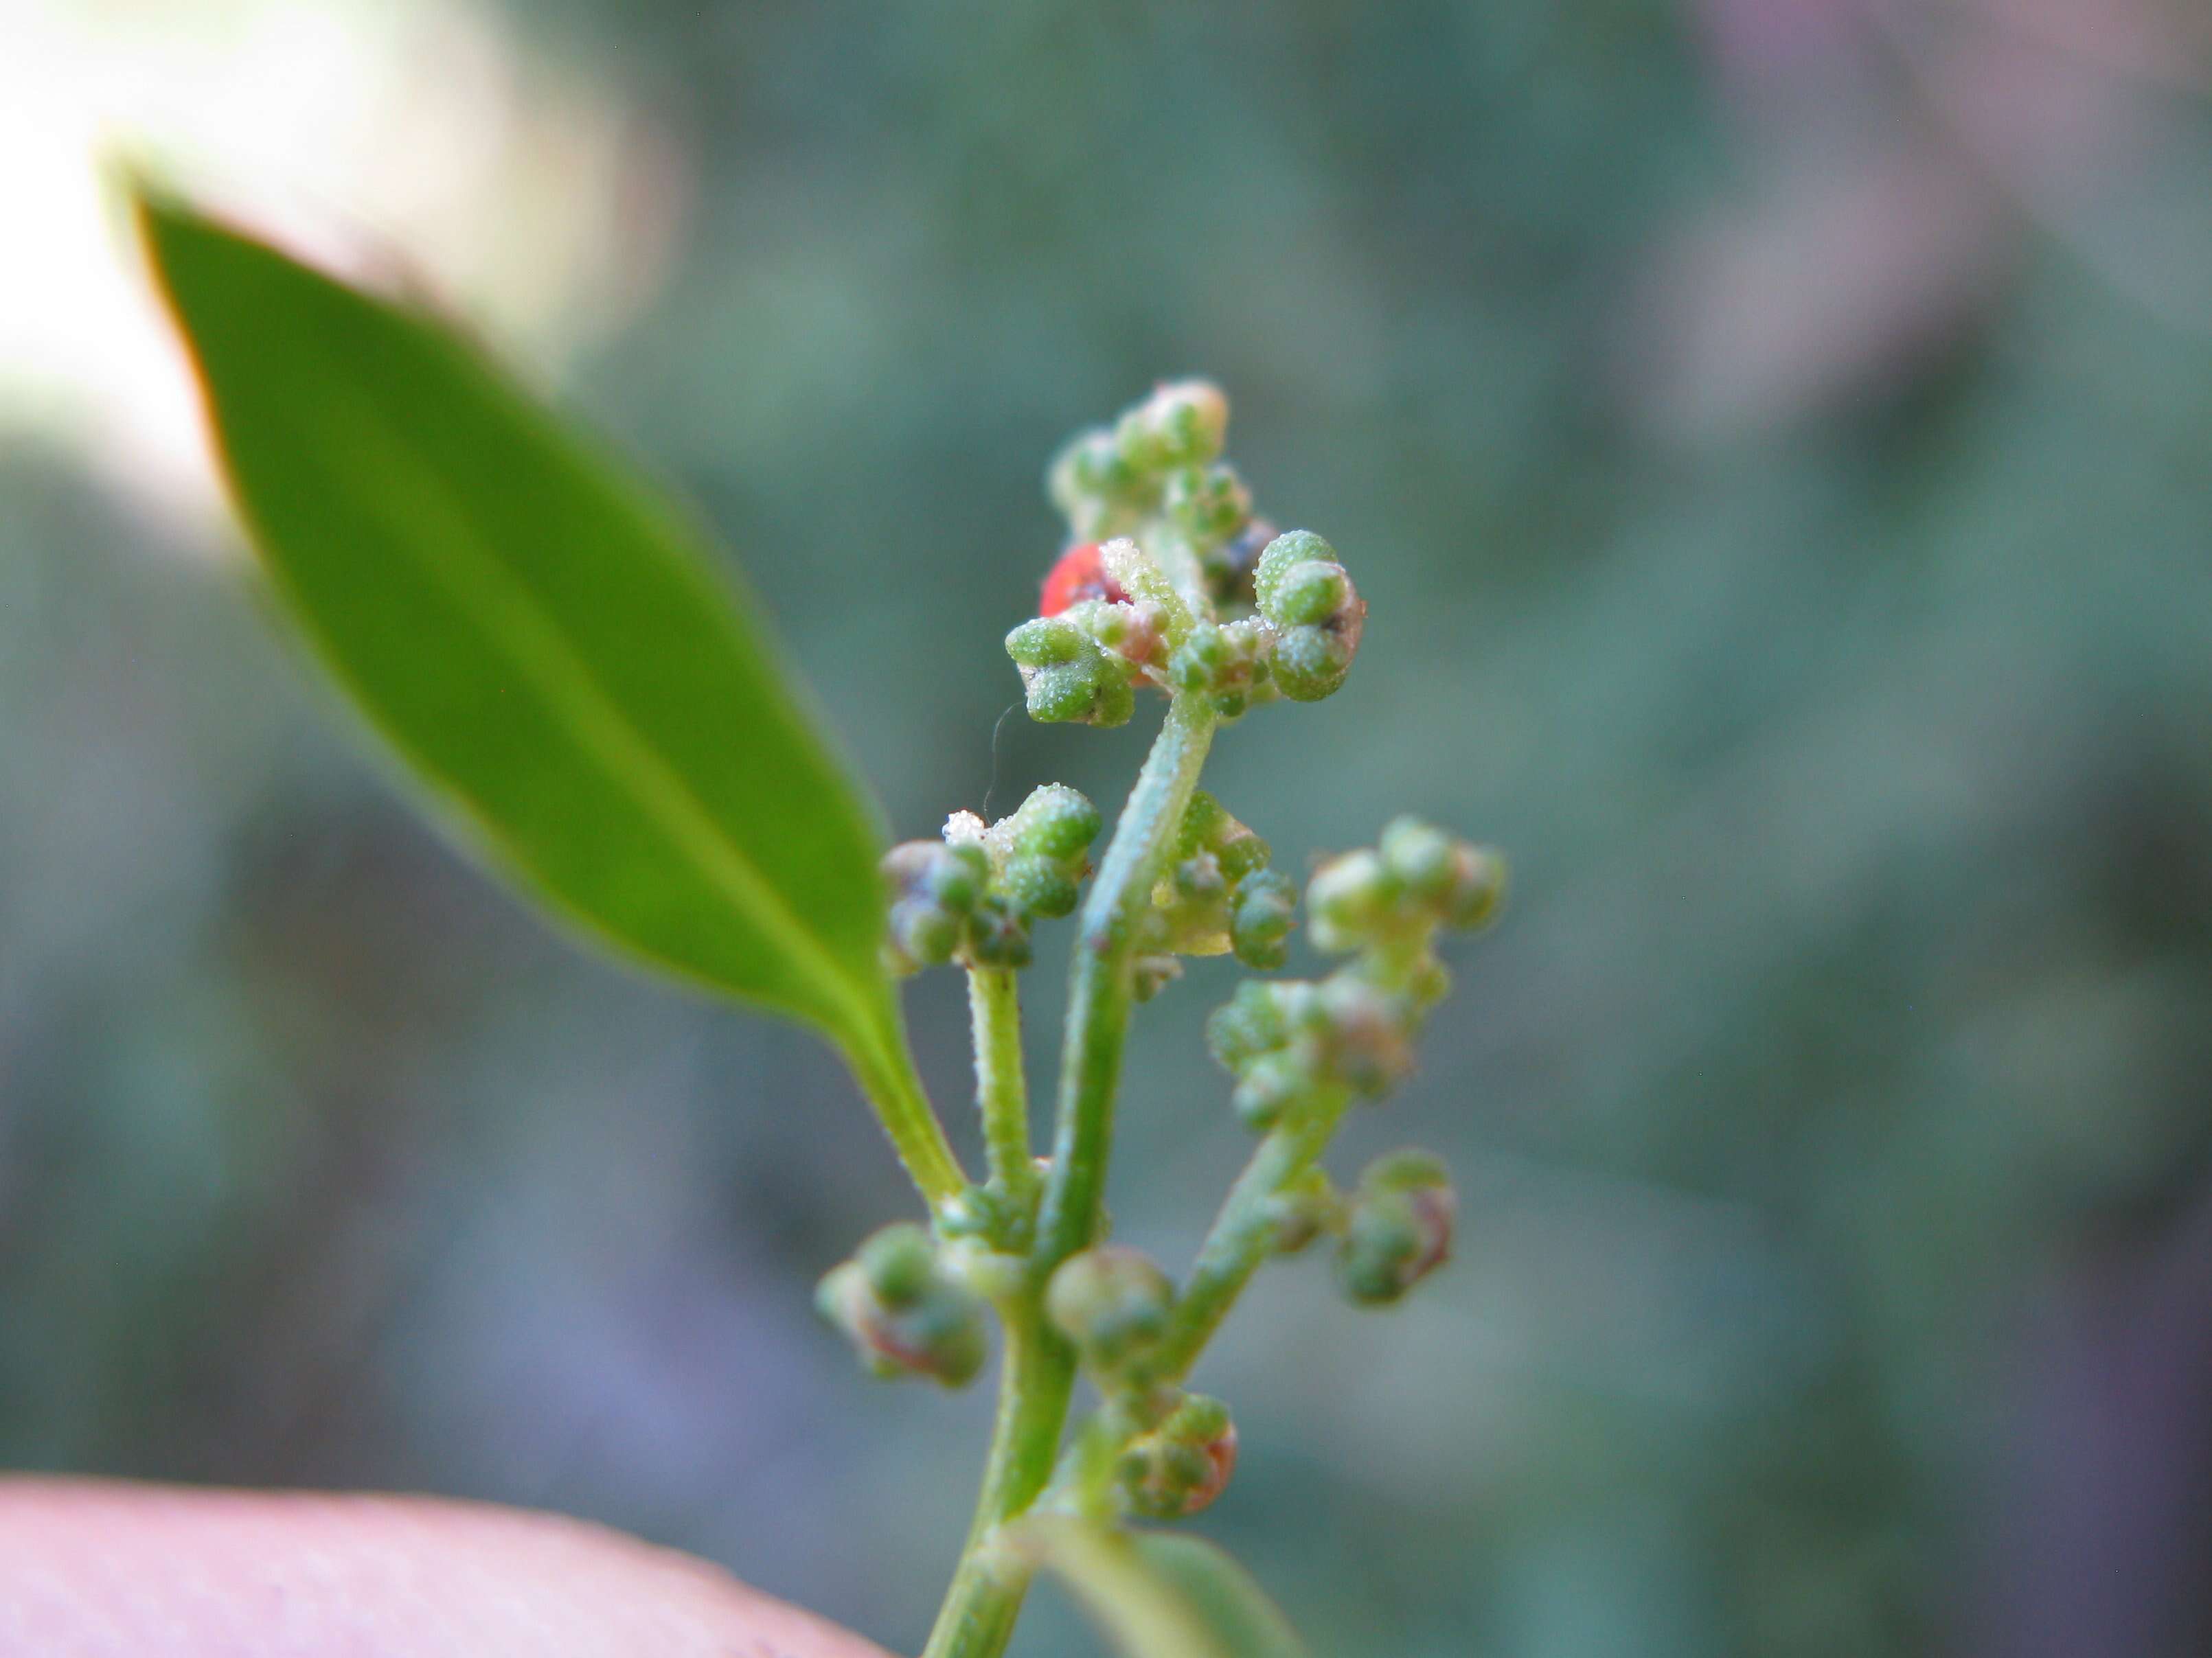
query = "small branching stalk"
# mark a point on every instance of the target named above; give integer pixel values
(1169, 585)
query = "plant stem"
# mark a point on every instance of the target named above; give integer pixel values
(1242, 1233)
(1099, 992)
(1038, 1377)
(1002, 1095)
(1036, 1380)
(886, 1075)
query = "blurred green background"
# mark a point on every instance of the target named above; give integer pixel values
(1775, 439)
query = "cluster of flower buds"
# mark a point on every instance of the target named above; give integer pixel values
(1217, 895)
(1415, 880)
(1110, 480)
(903, 1313)
(1302, 591)
(1287, 1041)
(1397, 1228)
(1179, 1465)
(974, 895)
(1171, 581)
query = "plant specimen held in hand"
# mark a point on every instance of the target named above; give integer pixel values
(547, 646)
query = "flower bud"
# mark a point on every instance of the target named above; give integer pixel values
(1209, 504)
(1174, 1470)
(1369, 1035)
(922, 934)
(998, 934)
(1399, 1229)
(1068, 676)
(1270, 1086)
(1183, 424)
(899, 1264)
(1260, 929)
(902, 1314)
(1093, 486)
(1248, 1024)
(1478, 887)
(1113, 1303)
(1422, 858)
(1295, 550)
(1040, 886)
(1310, 663)
(1307, 594)
(1046, 642)
(1197, 663)
(1056, 822)
(1346, 900)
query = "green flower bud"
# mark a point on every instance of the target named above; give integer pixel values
(1270, 1086)
(1208, 503)
(899, 1263)
(1347, 899)
(1478, 887)
(1094, 488)
(1173, 1471)
(1183, 424)
(1399, 1229)
(1310, 663)
(1307, 594)
(1204, 822)
(1113, 1303)
(1116, 703)
(956, 879)
(1078, 692)
(1369, 1035)
(1285, 554)
(1199, 880)
(1039, 885)
(1246, 1026)
(1200, 660)
(1423, 858)
(1266, 903)
(1241, 853)
(1207, 827)
(1056, 822)
(904, 1315)
(1046, 642)
(998, 934)
(923, 933)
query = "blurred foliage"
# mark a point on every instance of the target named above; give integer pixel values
(1784, 520)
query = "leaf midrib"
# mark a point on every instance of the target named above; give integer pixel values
(521, 628)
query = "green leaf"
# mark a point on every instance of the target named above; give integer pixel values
(544, 642)
(1162, 1594)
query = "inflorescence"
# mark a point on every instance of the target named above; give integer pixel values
(1169, 581)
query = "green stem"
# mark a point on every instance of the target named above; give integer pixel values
(994, 1014)
(1243, 1233)
(886, 1075)
(1035, 1383)
(1099, 989)
(1038, 1379)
